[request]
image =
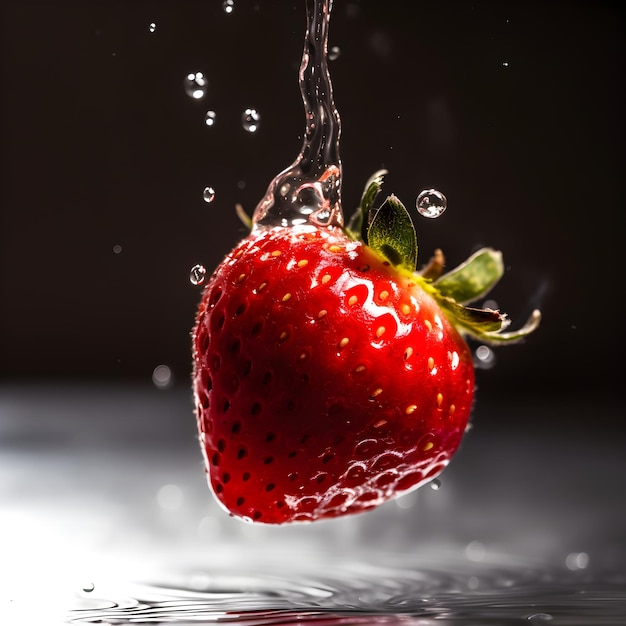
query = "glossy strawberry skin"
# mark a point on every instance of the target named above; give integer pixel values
(326, 381)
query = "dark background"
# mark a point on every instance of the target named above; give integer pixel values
(101, 146)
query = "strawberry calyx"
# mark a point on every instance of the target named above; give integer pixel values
(389, 231)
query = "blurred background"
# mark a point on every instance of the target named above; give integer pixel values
(514, 110)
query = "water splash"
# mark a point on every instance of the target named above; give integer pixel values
(309, 190)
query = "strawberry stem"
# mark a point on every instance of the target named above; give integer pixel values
(389, 231)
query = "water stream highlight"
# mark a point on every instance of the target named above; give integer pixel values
(309, 190)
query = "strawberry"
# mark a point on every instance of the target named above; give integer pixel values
(329, 375)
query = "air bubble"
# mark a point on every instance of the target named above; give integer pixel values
(228, 6)
(484, 357)
(431, 203)
(209, 118)
(435, 484)
(152, 27)
(475, 551)
(250, 120)
(162, 376)
(334, 53)
(197, 274)
(208, 528)
(170, 497)
(117, 248)
(195, 85)
(208, 195)
(577, 560)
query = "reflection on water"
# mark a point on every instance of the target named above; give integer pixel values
(437, 589)
(106, 518)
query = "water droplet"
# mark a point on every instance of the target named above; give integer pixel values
(170, 497)
(435, 484)
(197, 274)
(407, 501)
(209, 527)
(540, 617)
(431, 203)
(208, 195)
(152, 27)
(577, 560)
(88, 587)
(209, 118)
(162, 376)
(505, 64)
(117, 248)
(250, 119)
(475, 551)
(195, 85)
(229, 6)
(333, 53)
(484, 357)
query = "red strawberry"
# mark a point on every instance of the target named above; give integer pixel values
(329, 376)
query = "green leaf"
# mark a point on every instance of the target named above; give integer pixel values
(514, 336)
(391, 233)
(475, 322)
(473, 278)
(358, 221)
(486, 325)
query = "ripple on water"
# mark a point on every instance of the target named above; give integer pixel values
(444, 592)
